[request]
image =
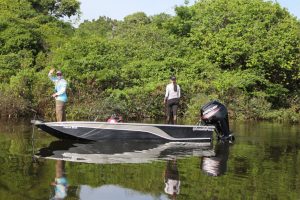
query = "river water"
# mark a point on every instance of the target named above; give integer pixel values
(263, 163)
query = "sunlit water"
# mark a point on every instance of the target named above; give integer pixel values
(263, 163)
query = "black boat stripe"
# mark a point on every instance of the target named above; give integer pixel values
(129, 127)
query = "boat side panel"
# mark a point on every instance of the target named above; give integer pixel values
(101, 131)
(104, 134)
(187, 132)
(56, 133)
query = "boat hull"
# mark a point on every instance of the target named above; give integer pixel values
(106, 131)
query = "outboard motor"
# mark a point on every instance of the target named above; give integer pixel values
(215, 113)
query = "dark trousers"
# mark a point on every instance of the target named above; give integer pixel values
(172, 107)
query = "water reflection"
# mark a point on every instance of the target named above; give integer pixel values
(213, 162)
(172, 181)
(123, 152)
(60, 182)
(262, 164)
(216, 165)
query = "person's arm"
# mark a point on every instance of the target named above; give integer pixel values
(166, 95)
(50, 75)
(179, 95)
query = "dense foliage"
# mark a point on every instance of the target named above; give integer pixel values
(244, 53)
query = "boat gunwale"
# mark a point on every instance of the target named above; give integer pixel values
(133, 124)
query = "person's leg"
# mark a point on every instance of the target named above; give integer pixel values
(64, 112)
(169, 110)
(171, 115)
(174, 110)
(60, 111)
(60, 168)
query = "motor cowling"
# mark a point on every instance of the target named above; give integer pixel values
(216, 114)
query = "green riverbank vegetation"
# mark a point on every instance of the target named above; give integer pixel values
(243, 53)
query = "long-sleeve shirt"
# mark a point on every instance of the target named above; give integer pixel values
(170, 93)
(172, 186)
(60, 88)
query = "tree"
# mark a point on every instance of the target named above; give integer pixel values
(242, 35)
(57, 8)
(137, 18)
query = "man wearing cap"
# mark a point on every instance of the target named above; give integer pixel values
(172, 100)
(60, 94)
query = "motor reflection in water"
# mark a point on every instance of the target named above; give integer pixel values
(60, 183)
(216, 165)
(172, 181)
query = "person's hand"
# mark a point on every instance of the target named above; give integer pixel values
(51, 71)
(54, 95)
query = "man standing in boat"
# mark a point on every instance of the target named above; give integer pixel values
(171, 100)
(60, 94)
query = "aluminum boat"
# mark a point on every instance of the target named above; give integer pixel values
(214, 117)
(94, 131)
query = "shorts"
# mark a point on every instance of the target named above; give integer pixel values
(172, 106)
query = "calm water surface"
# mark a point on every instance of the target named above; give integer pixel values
(263, 163)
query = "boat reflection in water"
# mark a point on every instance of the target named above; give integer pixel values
(216, 165)
(213, 162)
(122, 151)
(107, 152)
(172, 181)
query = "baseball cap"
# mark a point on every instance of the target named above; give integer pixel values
(58, 73)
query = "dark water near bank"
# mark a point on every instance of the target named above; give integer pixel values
(263, 163)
